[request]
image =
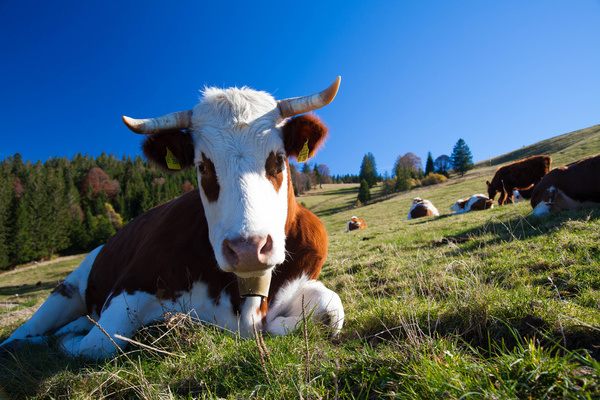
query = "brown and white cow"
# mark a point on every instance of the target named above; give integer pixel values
(568, 187)
(474, 203)
(356, 223)
(422, 208)
(517, 175)
(212, 252)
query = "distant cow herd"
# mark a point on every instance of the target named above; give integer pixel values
(564, 188)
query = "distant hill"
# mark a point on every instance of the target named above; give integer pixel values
(563, 149)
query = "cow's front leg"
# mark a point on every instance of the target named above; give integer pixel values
(320, 303)
(125, 314)
(502, 198)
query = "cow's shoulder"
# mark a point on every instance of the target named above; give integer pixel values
(163, 251)
(306, 246)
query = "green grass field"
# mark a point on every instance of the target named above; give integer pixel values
(510, 311)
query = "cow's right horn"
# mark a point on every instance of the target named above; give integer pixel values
(300, 105)
(148, 126)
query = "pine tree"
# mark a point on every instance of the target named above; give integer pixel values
(429, 164)
(462, 160)
(364, 193)
(318, 176)
(368, 170)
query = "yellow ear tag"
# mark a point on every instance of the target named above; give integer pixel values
(172, 161)
(303, 155)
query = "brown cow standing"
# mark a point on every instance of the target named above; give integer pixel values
(356, 223)
(518, 175)
(568, 187)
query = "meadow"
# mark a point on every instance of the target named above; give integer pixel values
(492, 304)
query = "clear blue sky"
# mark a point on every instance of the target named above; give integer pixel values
(416, 75)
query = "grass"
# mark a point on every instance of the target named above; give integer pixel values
(511, 311)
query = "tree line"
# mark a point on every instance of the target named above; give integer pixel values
(71, 206)
(408, 171)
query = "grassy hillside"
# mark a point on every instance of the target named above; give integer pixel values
(563, 149)
(490, 304)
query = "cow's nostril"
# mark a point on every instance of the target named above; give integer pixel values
(267, 249)
(229, 253)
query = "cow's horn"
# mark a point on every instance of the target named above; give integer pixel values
(299, 105)
(148, 126)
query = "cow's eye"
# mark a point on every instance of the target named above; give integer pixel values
(201, 168)
(281, 158)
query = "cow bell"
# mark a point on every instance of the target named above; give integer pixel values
(254, 286)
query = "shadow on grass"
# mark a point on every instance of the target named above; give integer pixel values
(484, 332)
(24, 371)
(27, 289)
(518, 227)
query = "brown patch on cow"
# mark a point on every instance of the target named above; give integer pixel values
(209, 181)
(579, 181)
(519, 174)
(482, 204)
(65, 289)
(274, 170)
(306, 244)
(162, 252)
(179, 143)
(421, 211)
(297, 130)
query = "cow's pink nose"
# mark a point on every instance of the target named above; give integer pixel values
(248, 254)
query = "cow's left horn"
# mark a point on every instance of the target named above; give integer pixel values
(148, 126)
(299, 105)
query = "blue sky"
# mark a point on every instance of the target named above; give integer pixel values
(416, 75)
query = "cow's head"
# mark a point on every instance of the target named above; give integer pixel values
(491, 189)
(239, 141)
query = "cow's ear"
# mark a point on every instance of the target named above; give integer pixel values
(304, 130)
(172, 151)
(487, 182)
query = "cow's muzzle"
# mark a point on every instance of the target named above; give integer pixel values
(249, 258)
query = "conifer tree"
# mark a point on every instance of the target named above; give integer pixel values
(368, 170)
(462, 160)
(429, 164)
(318, 176)
(364, 193)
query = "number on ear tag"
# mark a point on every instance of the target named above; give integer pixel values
(303, 155)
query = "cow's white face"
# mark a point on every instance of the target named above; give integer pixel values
(239, 140)
(242, 177)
